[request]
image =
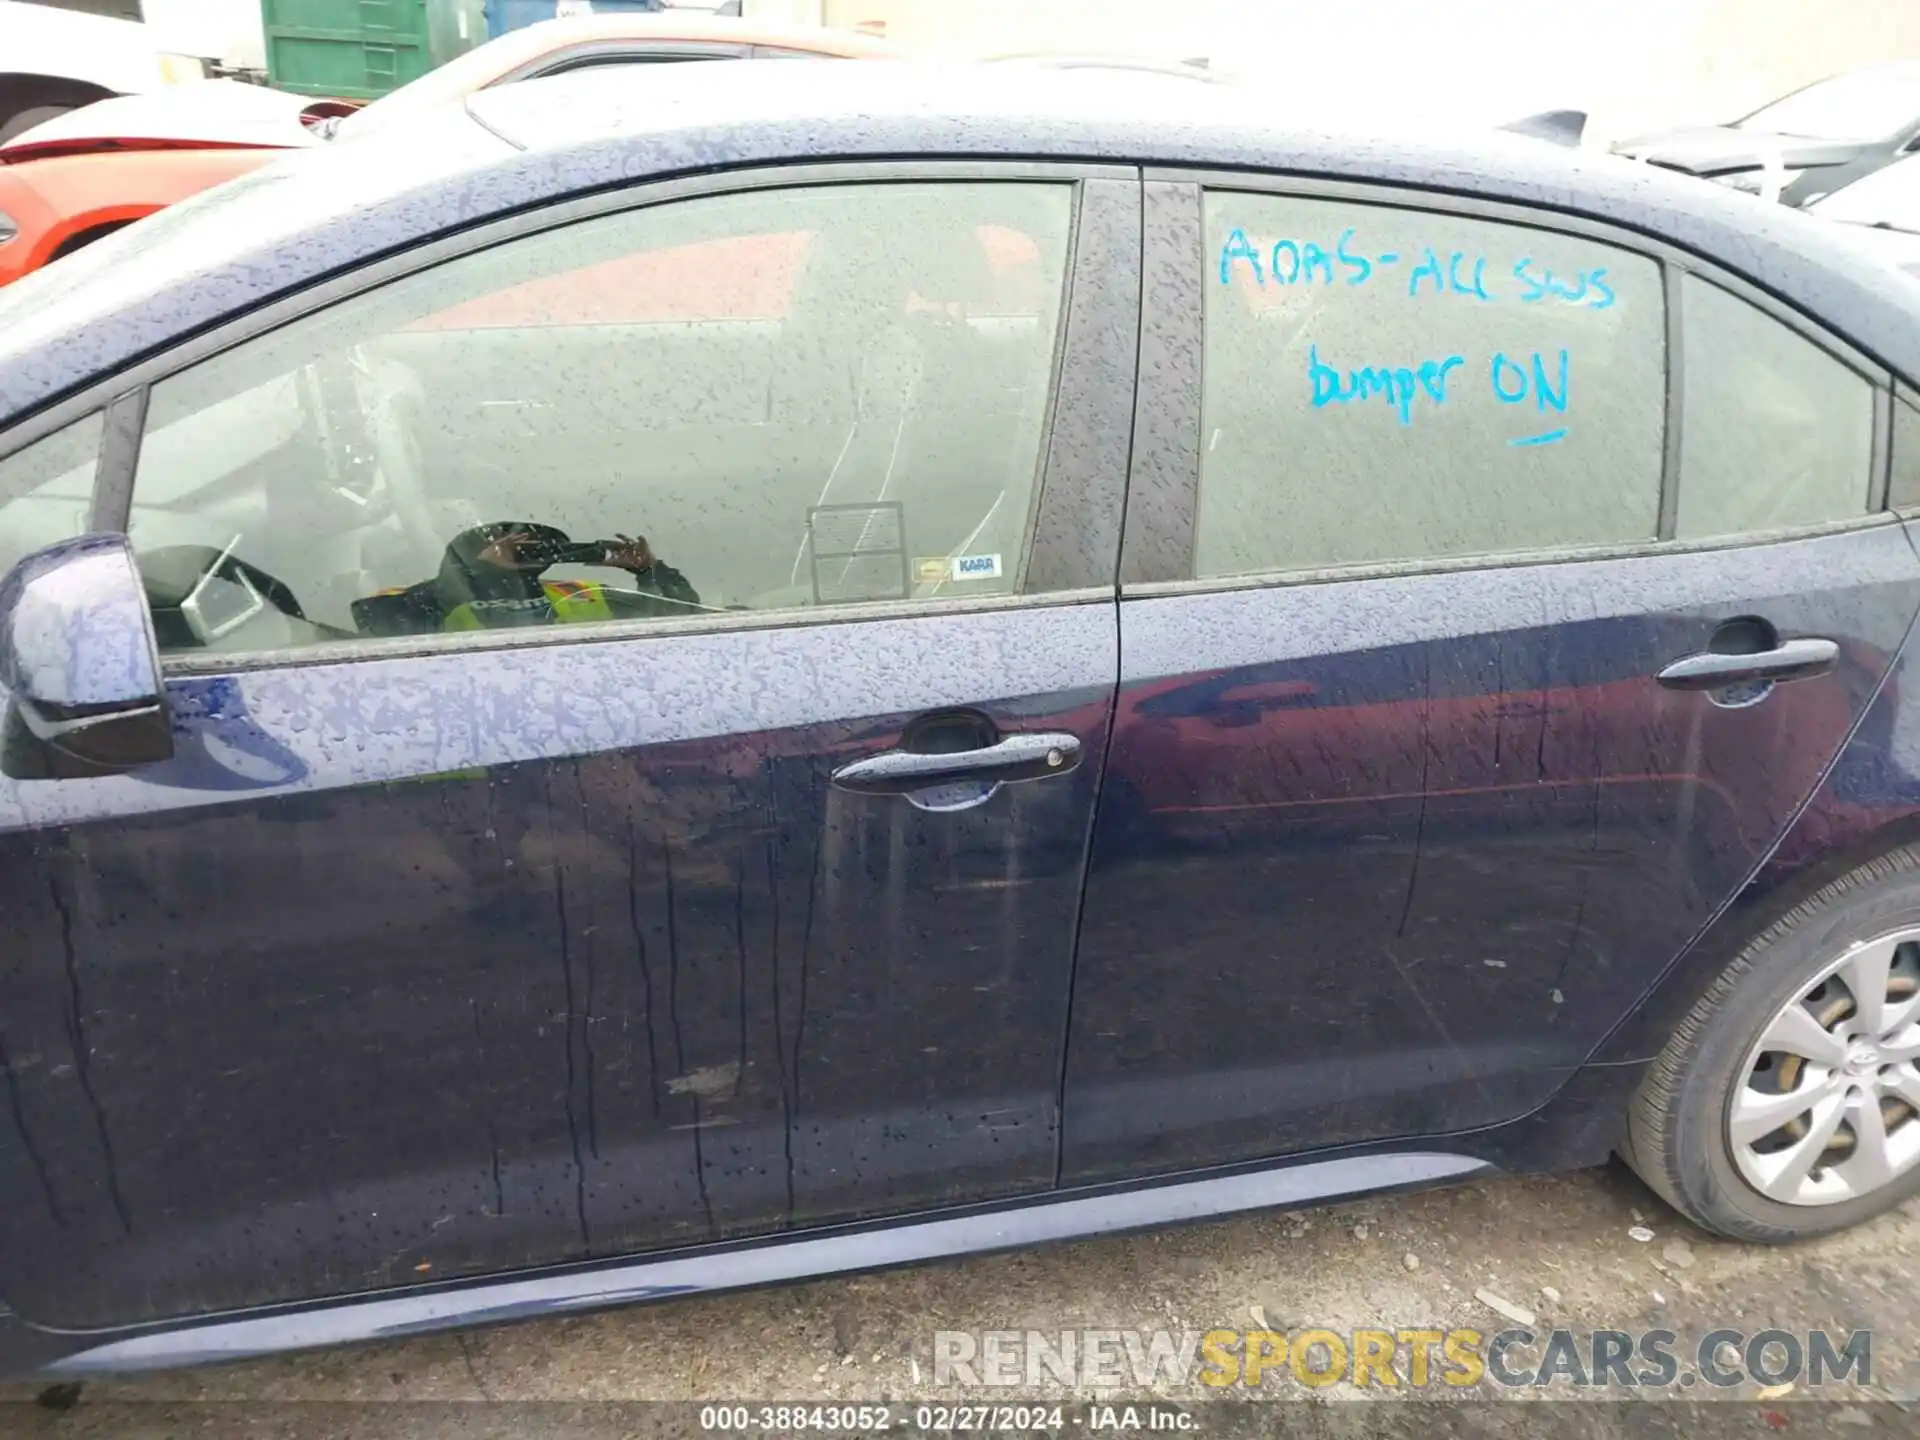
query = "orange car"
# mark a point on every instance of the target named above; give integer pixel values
(86, 173)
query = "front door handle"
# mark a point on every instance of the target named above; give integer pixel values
(1789, 660)
(1035, 756)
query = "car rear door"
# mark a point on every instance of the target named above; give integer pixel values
(1494, 595)
(454, 938)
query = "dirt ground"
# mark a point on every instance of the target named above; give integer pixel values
(1571, 1251)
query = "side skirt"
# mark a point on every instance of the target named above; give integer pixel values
(716, 1268)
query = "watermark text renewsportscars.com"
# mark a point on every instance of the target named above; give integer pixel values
(1403, 1358)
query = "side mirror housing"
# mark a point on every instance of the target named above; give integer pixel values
(79, 664)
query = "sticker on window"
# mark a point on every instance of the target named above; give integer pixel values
(976, 567)
(859, 552)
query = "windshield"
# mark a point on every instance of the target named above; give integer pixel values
(1860, 105)
(1889, 197)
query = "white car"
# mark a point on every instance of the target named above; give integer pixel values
(53, 61)
(1883, 209)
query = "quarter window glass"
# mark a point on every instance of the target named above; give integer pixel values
(1904, 487)
(46, 490)
(1386, 385)
(1775, 432)
(775, 401)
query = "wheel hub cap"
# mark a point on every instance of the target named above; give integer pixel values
(1827, 1108)
(1863, 1058)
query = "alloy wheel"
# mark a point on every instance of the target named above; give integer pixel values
(1828, 1105)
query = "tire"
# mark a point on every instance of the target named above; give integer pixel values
(25, 120)
(29, 100)
(1679, 1137)
(86, 238)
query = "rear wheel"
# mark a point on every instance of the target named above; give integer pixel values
(1788, 1103)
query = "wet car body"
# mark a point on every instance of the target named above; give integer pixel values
(1352, 886)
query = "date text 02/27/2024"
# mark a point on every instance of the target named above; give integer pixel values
(943, 1419)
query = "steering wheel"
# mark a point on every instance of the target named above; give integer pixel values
(397, 458)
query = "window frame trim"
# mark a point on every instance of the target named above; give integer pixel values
(594, 54)
(1675, 262)
(1507, 559)
(1163, 473)
(372, 649)
(1672, 279)
(1078, 487)
(124, 427)
(1078, 506)
(1880, 482)
(1904, 397)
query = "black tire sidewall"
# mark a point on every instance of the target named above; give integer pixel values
(1701, 1157)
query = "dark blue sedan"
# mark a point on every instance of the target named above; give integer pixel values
(616, 697)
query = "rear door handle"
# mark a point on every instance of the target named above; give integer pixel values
(1790, 660)
(1017, 757)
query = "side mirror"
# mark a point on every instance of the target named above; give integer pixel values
(79, 664)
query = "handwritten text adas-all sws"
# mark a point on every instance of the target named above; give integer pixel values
(1303, 262)
(1291, 262)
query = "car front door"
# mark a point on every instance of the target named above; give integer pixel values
(1433, 746)
(593, 826)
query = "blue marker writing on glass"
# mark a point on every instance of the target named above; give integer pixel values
(1239, 248)
(1361, 267)
(1292, 252)
(1396, 384)
(1512, 382)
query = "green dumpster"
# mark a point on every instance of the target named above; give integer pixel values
(361, 49)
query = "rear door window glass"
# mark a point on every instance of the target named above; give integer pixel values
(1394, 385)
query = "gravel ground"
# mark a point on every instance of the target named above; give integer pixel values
(1568, 1250)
